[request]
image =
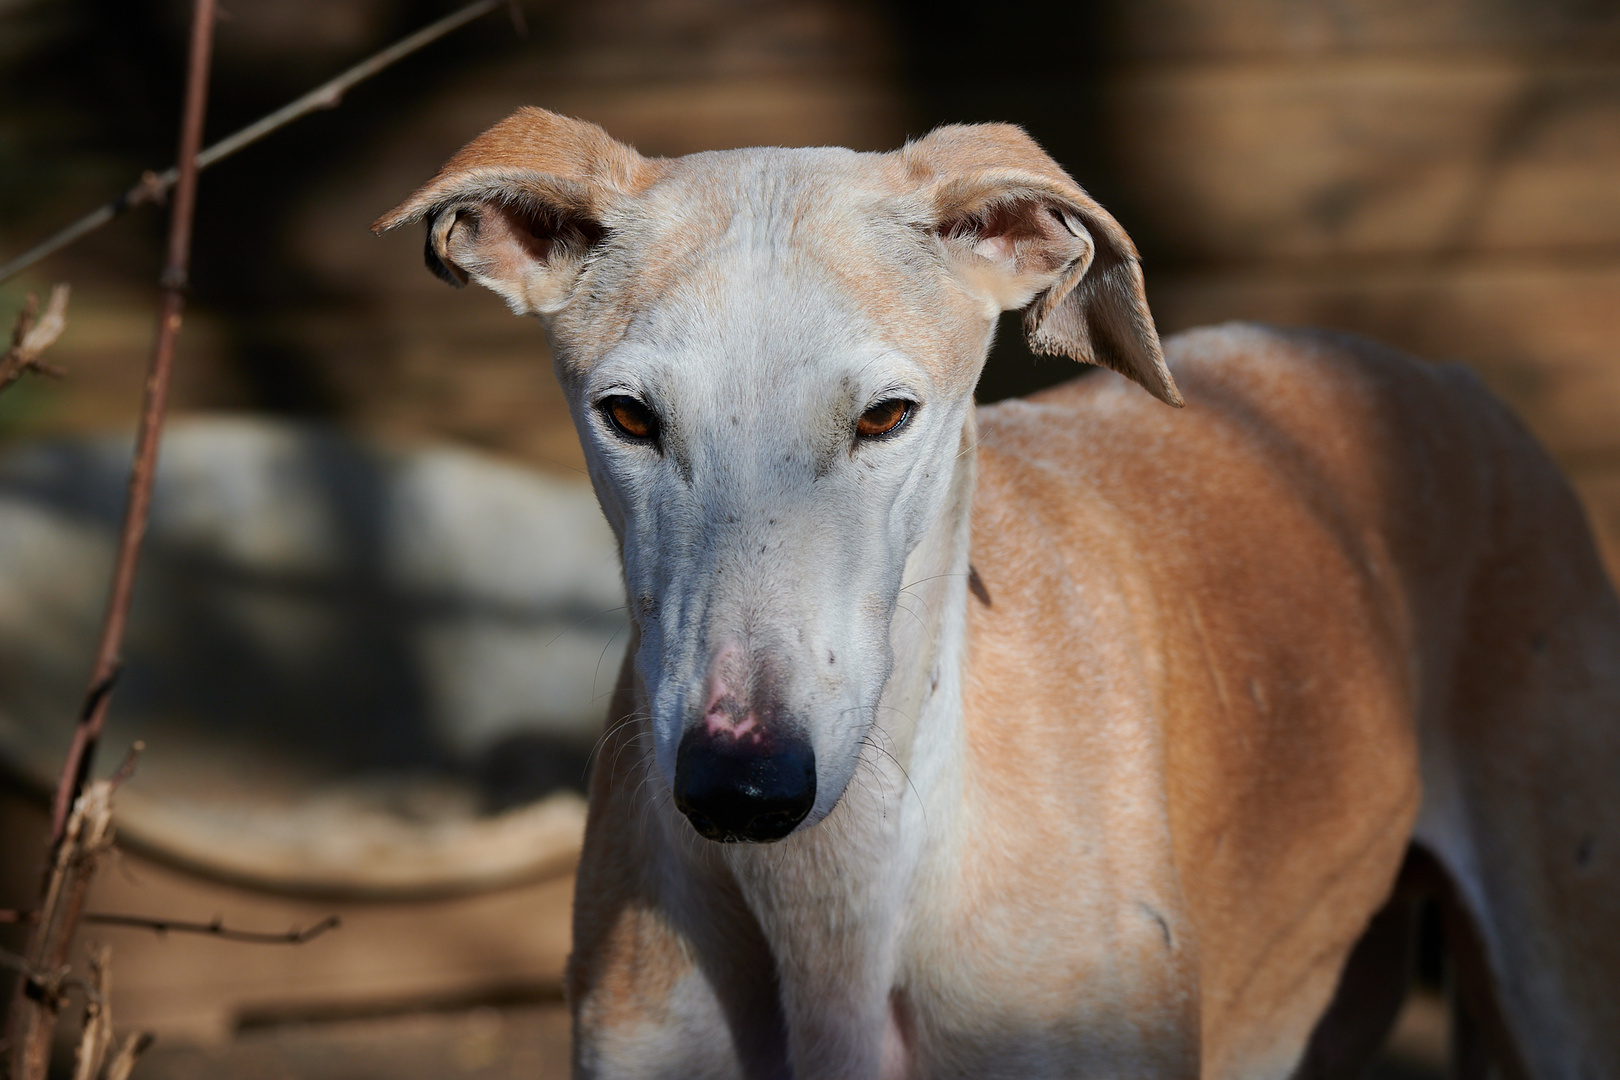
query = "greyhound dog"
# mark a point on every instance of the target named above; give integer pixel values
(1071, 736)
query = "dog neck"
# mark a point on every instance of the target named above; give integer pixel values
(832, 901)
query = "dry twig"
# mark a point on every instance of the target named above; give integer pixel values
(213, 928)
(81, 824)
(153, 186)
(39, 994)
(76, 769)
(134, 1045)
(217, 928)
(96, 1036)
(81, 811)
(32, 335)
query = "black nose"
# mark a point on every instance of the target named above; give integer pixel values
(740, 790)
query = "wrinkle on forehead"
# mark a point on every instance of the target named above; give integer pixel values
(720, 229)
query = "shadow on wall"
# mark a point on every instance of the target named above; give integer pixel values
(313, 614)
(1037, 64)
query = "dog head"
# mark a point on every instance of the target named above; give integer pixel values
(770, 356)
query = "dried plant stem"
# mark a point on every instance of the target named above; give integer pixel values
(38, 999)
(32, 335)
(217, 928)
(82, 814)
(173, 283)
(96, 1037)
(153, 186)
(133, 1046)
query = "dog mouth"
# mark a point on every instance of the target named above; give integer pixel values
(754, 789)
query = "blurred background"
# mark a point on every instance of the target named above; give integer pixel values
(1440, 174)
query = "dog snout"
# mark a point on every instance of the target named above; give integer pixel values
(754, 789)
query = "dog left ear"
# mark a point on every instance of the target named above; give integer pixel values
(519, 207)
(1022, 234)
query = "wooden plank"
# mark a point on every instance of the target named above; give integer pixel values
(1367, 157)
(1202, 28)
(1545, 337)
(523, 1042)
(384, 956)
(445, 950)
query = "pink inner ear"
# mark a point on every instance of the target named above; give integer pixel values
(997, 249)
(533, 234)
(503, 241)
(1023, 235)
(523, 233)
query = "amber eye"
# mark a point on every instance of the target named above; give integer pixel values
(630, 417)
(884, 418)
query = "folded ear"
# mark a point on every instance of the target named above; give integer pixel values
(1022, 234)
(518, 208)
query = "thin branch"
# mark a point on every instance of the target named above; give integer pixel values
(38, 997)
(217, 928)
(96, 1036)
(12, 962)
(81, 816)
(76, 769)
(127, 768)
(32, 335)
(123, 1062)
(153, 187)
(212, 928)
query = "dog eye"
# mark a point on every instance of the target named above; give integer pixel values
(630, 417)
(884, 418)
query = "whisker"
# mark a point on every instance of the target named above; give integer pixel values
(875, 727)
(628, 743)
(914, 615)
(864, 761)
(932, 577)
(597, 675)
(612, 729)
(581, 622)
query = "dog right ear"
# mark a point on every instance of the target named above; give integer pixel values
(519, 207)
(1020, 233)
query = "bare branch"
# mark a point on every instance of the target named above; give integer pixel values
(153, 187)
(213, 928)
(217, 928)
(96, 1037)
(81, 815)
(127, 768)
(135, 1044)
(173, 283)
(38, 997)
(520, 25)
(12, 962)
(32, 335)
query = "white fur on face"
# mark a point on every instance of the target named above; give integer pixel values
(759, 523)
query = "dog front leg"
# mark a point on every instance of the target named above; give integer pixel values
(834, 943)
(841, 1032)
(653, 1004)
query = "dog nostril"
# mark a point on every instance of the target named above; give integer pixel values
(703, 825)
(775, 824)
(732, 791)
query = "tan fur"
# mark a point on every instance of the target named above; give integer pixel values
(625, 961)
(1219, 668)
(561, 156)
